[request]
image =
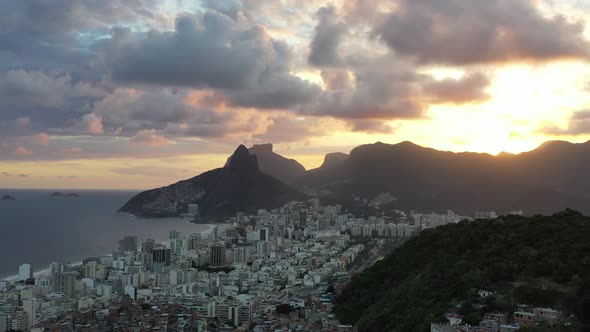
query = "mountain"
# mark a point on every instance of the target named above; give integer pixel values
(332, 160)
(543, 261)
(238, 186)
(271, 163)
(548, 179)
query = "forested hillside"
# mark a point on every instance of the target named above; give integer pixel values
(541, 260)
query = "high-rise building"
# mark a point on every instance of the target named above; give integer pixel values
(30, 307)
(263, 248)
(58, 267)
(253, 236)
(192, 243)
(25, 272)
(64, 282)
(148, 245)
(217, 255)
(128, 243)
(302, 218)
(263, 234)
(19, 321)
(161, 258)
(173, 234)
(3, 322)
(242, 254)
(215, 231)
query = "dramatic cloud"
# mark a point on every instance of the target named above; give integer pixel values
(338, 79)
(36, 100)
(22, 151)
(92, 124)
(46, 34)
(388, 90)
(42, 138)
(378, 92)
(21, 89)
(579, 124)
(150, 138)
(470, 88)
(103, 79)
(22, 121)
(328, 34)
(458, 32)
(128, 111)
(210, 51)
(286, 128)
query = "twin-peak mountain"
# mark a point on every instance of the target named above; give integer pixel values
(551, 178)
(239, 186)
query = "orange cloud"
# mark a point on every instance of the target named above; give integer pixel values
(93, 124)
(22, 151)
(150, 138)
(42, 138)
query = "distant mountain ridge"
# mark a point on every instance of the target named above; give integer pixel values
(238, 186)
(548, 179)
(545, 180)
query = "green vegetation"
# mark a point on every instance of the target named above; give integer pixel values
(542, 260)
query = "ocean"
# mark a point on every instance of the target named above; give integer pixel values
(37, 228)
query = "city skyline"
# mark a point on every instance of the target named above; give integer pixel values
(145, 93)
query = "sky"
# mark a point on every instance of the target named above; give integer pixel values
(135, 94)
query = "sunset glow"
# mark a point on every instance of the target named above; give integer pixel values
(169, 90)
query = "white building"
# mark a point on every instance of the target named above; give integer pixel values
(25, 272)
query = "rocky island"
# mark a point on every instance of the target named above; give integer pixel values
(59, 194)
(7, 198)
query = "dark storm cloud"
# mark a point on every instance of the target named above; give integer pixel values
(459, 32)
(327, 37)
(579, 124)
(210, 51)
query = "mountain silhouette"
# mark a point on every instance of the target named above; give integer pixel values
(239, 186)
(271, 163)
(548, 179)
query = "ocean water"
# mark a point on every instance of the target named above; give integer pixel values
(39, 229)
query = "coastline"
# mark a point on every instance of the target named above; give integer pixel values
(46, 270)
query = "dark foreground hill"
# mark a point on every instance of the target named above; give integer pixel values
(542, 260)
(238, 187)
(550, 178)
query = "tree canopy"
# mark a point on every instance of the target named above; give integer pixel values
(540, 260)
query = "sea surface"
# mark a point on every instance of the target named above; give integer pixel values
(37, 228)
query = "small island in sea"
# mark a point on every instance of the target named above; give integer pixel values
(59, 194)
(7, 197)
